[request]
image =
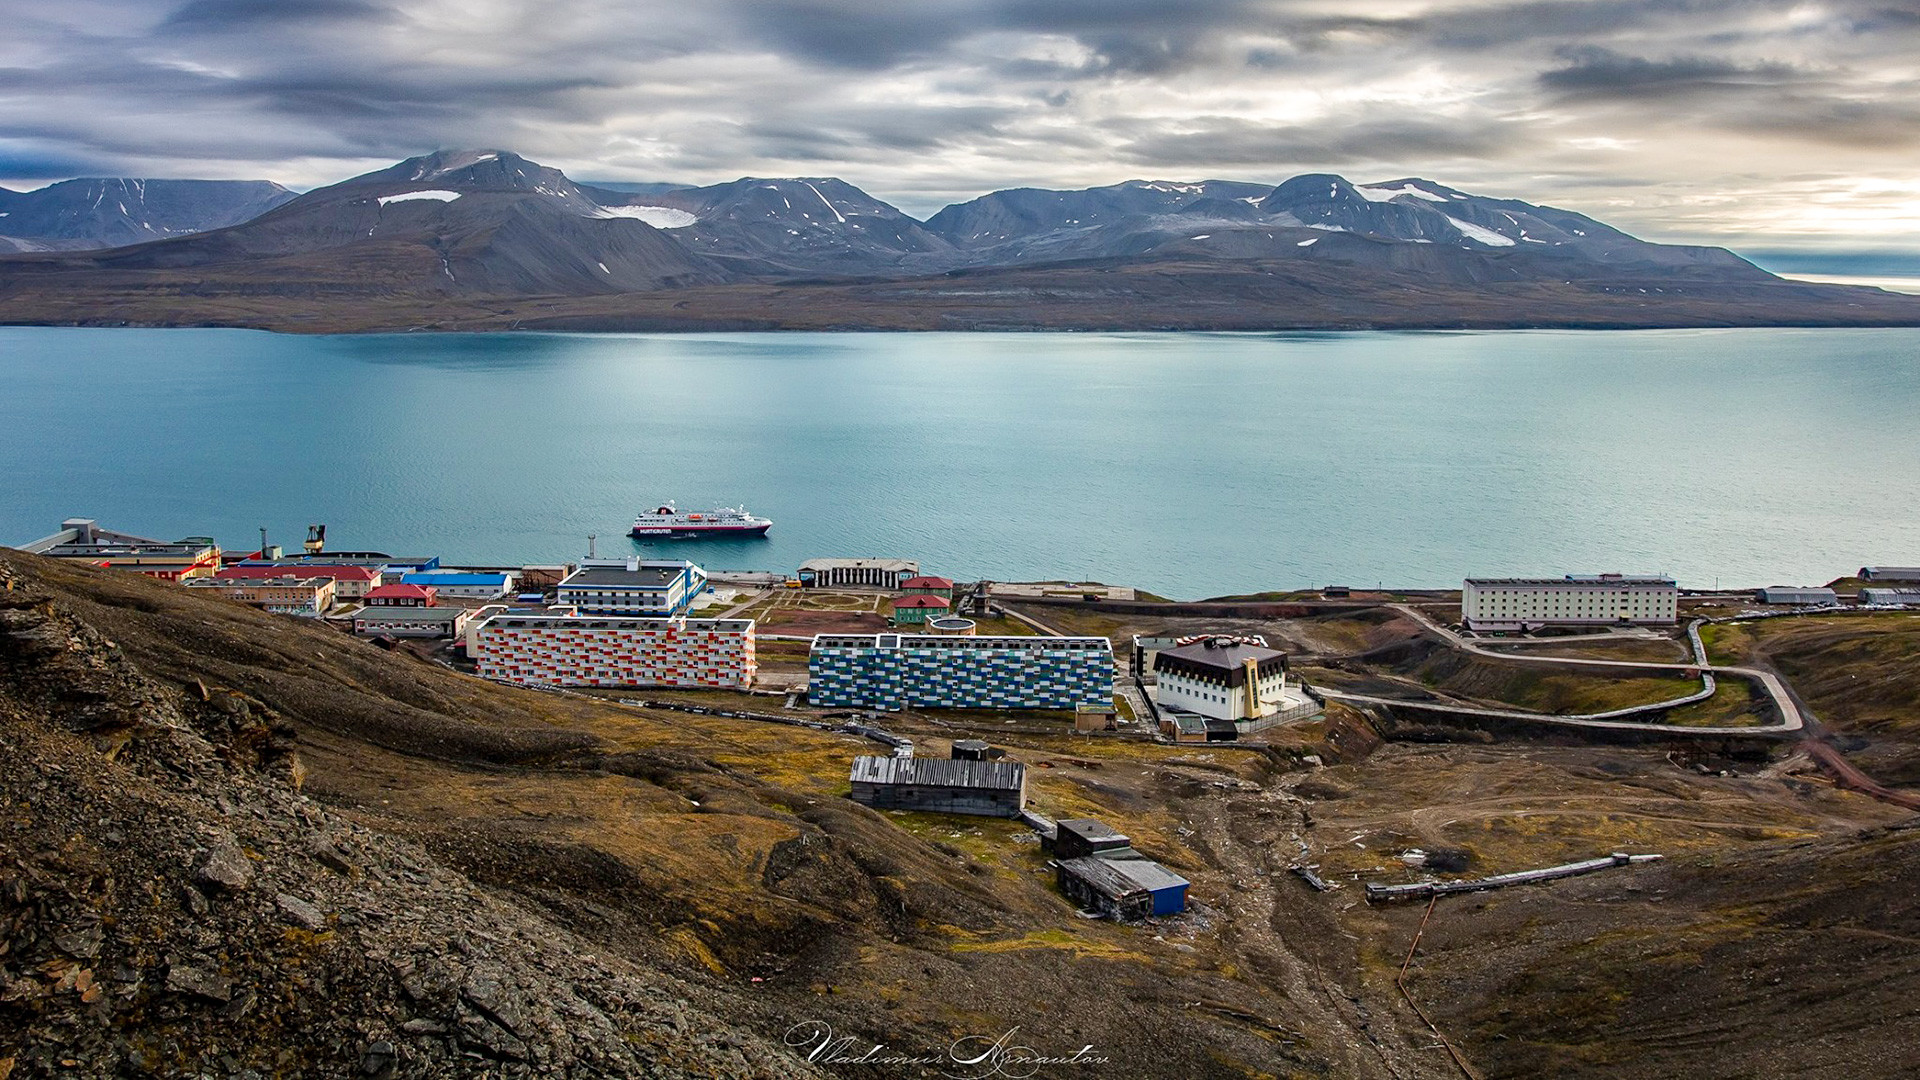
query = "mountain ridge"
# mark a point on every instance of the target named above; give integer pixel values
(414, 241)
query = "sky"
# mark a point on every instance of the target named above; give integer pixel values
(1750, 123)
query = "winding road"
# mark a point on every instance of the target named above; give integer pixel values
(1790, 721)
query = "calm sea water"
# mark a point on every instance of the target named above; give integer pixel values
(1189, 464)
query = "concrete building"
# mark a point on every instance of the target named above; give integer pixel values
(349, 582)
(1122, 884)
(928, 585)
(403, 596)
(1890, 573)
(1890, 597)
(1574, 600)
(646, 588)
(916, 610)
(1228, 678)
(867, 573)
(1797, 595)
(285, 595)
(902, 671)
(615, 651)
(82, 540)
(420, 622)
(940, 785)
(460, 584)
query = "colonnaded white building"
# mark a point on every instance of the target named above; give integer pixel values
(1234, 679)
(1574, 600)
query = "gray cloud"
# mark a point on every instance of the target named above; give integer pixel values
(1635, 110)
(1600, 72)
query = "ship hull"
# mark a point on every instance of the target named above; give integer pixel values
(696, 532)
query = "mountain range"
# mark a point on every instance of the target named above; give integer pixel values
(487, 239)
(107, 212)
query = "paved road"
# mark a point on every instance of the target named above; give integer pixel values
(1791, 719)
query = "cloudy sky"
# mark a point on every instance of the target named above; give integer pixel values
(1748, 122)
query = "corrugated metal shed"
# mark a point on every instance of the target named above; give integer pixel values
(939, 772)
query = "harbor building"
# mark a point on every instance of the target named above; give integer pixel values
(1890, 597)
(916, 610)
(928, 585)
(866, 573)
(1890, 573)
(903, 671)
(1801, 596)
(83, 540)
(285, 595)
(403, 596)
(462, 584)
(940, 785)
(417, 622)
(615, 651)
(1574, 600)
(349, 582)
(647, 588)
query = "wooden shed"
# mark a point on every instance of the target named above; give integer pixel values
(940, 785)
(1125, 888)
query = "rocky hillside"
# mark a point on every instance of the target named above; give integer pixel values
(172, 903)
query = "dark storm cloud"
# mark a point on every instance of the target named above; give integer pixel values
(244, 14)
(1598, 72)
(1228, 142)
(1626, 100)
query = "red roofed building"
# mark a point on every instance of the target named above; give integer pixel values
(916, 610)
(928, 586)
(348, 581)
(403, 596)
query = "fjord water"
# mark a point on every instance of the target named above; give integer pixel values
(1188, 464)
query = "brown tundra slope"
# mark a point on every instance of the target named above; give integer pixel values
(247, 845)
(237, 842)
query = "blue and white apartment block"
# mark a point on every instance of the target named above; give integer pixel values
(904, 671)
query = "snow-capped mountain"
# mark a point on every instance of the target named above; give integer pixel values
(805, 225)
(1008, 216)
(489, 235)
(104, 212)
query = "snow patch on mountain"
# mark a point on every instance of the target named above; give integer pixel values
(1387, 194)
(1485, 236)
(437, 196)
(660, 217)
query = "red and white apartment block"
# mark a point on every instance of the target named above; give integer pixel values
(612, 651)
